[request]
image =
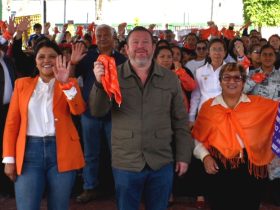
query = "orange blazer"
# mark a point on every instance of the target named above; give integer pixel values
(69, 151)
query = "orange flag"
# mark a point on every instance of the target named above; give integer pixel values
(229, 34)
(79, 31)
(245, 63)
(110, 79)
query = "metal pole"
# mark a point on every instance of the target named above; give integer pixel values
(95, 3)
(64, 20)
(212, 6)
(44, 12)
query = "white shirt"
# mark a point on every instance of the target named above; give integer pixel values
(208, 86)
(41, 104)
(192, 65)
(8, 88)
(200, 151)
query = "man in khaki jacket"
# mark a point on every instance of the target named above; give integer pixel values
(150, 117)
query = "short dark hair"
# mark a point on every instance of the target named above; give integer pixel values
(139, 28)
(87, 37)
(168, 31)
(49, 44)
(37, 25)
(230, 67)
(38, 39)
(267, 46)
(217, 40)
(159, 49)
(121, 45)
(162, 41)
(188, 51)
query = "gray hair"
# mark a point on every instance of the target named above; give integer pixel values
(105, 26)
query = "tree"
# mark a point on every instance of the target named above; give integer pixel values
(262, 12)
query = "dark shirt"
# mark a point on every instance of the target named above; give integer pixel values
(12, 74)
(25, 63)
(33, 36)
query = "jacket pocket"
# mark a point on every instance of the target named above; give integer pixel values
(161, 97)
(130, 96)
(162, 142)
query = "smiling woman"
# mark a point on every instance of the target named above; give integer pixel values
(46, 61)
(232, 78)
(234, 153)
(38, 150)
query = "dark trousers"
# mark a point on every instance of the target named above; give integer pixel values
(232, 189)
(193, 183)
(6, 186)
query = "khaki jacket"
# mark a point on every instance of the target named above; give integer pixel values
(69, 152)
(147, 121)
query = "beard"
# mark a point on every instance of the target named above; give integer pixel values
(140, 62)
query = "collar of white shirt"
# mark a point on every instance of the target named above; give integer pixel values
(218, 100)
(43, 86)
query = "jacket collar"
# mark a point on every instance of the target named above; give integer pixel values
(57, 91)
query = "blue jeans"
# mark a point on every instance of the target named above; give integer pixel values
(156, 186)
(40, 172)
(92, 129)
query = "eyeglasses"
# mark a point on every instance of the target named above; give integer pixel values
(201, 48)
(236, 78)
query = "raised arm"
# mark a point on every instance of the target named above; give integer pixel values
(99, 102)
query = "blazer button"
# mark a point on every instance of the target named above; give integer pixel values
(55, 119)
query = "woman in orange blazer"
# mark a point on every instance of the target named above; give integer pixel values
(41, 147)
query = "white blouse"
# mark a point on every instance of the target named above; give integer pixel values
(41, 104)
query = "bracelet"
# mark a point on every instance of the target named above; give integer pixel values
(67, 86)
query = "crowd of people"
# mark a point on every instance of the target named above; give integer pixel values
(193, 116)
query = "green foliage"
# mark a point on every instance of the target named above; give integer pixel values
(262, 12)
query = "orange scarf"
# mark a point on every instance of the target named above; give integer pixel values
(110, 79)
(216, 127)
